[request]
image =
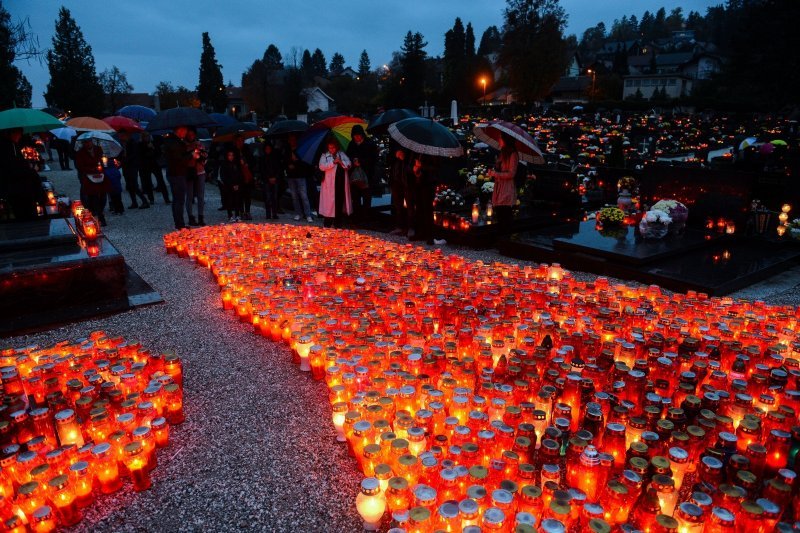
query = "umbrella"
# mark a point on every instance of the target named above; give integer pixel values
(65, 134)
(30, 120)
(89, 124)
(285, 127)
(749, 141)
(137, 112)
(380, 123)
(424, 136)
(180, 116)
(222, 119)
(106, 142)
(310, 143)
(120, 123)
(237, 130)
(778, 142)
(524, 144)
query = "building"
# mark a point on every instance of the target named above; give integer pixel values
(676, 73)
(571, 90)
(317, 99)
(236, 106)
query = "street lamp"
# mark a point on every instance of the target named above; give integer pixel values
(593, 73)
(483, 82)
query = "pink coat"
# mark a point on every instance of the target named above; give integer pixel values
(505, 191)
(327, 193)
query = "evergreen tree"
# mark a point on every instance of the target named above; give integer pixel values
(73, 85)
(258, 86)
(307, 68)
(364, 67)
(469, 42)
(114, 83)
(454, 59)
(337, 63)
(491, 41)
(533, 50)
(592, 39)
(318, 64)
(15, 90)
(412, 65)
(211, 87)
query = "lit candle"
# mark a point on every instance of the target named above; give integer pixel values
(69, 431)
(62, 495)
(371, 503)
(136, 463)
(106, 468)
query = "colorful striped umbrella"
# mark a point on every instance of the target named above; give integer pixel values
(309, 145)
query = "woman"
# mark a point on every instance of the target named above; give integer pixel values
(94, 185)
(196, 186)
(504, 196)
(334, 196)
(231, 175)
(270, 170)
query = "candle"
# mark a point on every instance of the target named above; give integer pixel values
(69, 431)
(62, 495)
(371, 503)
(81, 476)
(106, 468)
(136, 463)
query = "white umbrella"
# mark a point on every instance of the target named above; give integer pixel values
(65, 134)
(110, 147)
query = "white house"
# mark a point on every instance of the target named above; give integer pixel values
(317, 99)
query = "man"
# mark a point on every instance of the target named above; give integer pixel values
(20, 185)
(364, 155)
(402, 206)
(179, 159)
(130, 170)
(296, 171)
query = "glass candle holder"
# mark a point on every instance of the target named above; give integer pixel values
(82, 483)
(68, 428)
(106, 468)
(65, 501)
(43, 520)
(371, 503)
(136, 463)
(689, 517)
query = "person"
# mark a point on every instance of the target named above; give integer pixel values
(149, 153)
(231, 175)
(504, 197)
(130, 170)
(421, 181)
(363, 152)
(62, 147)
(196, 179)
(179, 159)
(114, 177)
(89, 163)
(334, 196)
(296, 171)
(398, 181)
(270, 170)
(247, 167)
(20, 185)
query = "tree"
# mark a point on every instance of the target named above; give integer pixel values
(73, 85)
(15, 90)
(307, 68)
(592, 39)
(114, 83)
(258, 83)
(211, 86)
(491, 41)
(454, 59)
(533, 50)
(412, 64)
(337, 63)
(364, 67)
(318, 64)
(169, 96)
(469, 41)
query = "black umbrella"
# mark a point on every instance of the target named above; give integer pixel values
(381, 122)
(180, 116)
(424, 136)
(54, 111)
(231, 132)
(285, 127)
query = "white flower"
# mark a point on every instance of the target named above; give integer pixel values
(488, 186)
(473, 179)
(655, 215)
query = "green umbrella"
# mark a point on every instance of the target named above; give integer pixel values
(30, 120)
(779, 142)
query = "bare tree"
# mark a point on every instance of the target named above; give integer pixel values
(114, 83)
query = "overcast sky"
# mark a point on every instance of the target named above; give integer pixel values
(160, 40)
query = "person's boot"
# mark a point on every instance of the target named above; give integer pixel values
(145, 204)
(193, 221)
(201, 221)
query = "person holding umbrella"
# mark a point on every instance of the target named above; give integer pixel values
(334, 197)
(504, 196)
(94, 185)
(364, 155)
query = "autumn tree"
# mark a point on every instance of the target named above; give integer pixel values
(211, 85)
(74, 85)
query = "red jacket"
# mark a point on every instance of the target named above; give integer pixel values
(90, 161)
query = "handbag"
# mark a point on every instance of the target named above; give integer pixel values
(358, 178)
(247, 174)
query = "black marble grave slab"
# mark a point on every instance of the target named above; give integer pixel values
(35, 234)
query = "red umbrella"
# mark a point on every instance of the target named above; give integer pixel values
(120, 123)
(524, 144)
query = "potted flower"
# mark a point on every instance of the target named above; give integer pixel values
(677, 211)
(611, 216)
(655, 224)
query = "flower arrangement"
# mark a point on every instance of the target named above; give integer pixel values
(677, 211)
(654, 224)
(794, 228)
(447, 199)
(611, 216)
(628, 183)
(477, 181)
(487, 187)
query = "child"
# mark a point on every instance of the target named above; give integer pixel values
(231, 176)
(114, 177)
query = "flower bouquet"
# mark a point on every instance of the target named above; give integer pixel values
(611, 216)
(794, 228)
(447, 199)
(654, 224)
(677, 211)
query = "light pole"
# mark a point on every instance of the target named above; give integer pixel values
(591, 94)
(483, 82)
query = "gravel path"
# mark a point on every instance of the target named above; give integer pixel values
(257, 450)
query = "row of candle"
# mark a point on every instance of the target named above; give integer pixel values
(78, 418)
(513, 389)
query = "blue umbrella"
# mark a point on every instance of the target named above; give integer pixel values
(137, 112)
(222, 119)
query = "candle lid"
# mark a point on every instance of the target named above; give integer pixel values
(58, 482)
(418, 515)
(598, 525)
(101, 450)
(65, 416)
(448, 510)
(667, 522)
(370, 486)
(550, 525)
(723, 516)
(468, 507)
(493, 516)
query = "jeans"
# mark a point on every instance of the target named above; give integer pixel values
(297, 188)
(196, 188)
(178, 186)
